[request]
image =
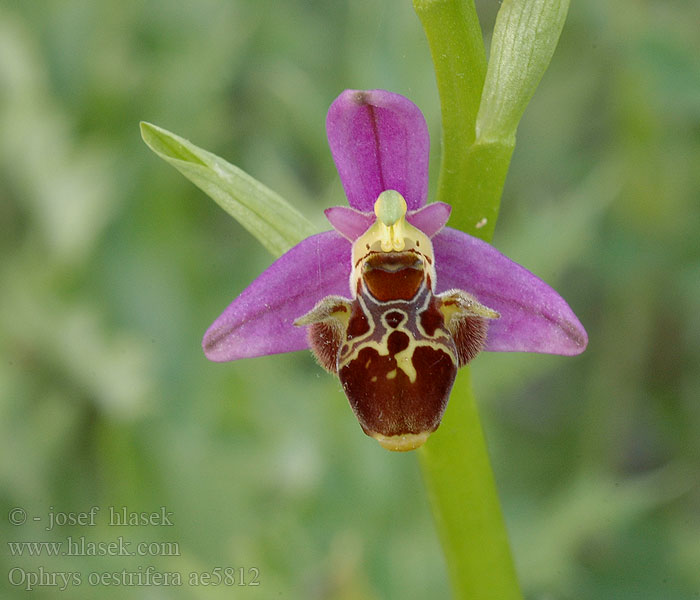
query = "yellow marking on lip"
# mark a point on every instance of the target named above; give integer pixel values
(441, 340)
(404, 361)
(391, 374)
(403, 358)
(353, 347)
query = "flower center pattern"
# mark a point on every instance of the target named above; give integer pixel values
(396, 345)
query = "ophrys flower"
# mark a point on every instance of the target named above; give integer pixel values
(392, 301)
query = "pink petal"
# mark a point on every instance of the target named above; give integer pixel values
(431, 218)
(379, 141)
(351, 223)
(534, 318)
(259, 321)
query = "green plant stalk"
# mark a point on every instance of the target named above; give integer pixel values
(485, 171)
(462, 491)
(457, 48)
(455, 461)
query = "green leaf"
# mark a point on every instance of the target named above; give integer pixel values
(266, 215)
(524, 38)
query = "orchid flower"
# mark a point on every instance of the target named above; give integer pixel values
(392, 301)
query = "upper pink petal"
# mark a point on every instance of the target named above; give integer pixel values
(379, 141)
(534, 317)
(260, 320)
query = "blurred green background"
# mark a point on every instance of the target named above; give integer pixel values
(113, 266)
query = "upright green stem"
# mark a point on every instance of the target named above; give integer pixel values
(455, 459)
(457, 48)
(462, 491)
(484, 175)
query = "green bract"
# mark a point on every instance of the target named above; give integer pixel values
(266, 215)
(524, 39)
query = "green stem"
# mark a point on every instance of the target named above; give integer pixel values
(461, 487)
(484, 176)
(457, 48)
(455, 460)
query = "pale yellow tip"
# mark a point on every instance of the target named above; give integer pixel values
(401, 443)
(390, 207)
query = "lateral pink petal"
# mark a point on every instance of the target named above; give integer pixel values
(534, 317)
(350, 223)
(379, 141)
(431, 218)
(259, 321)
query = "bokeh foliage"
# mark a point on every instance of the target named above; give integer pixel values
(113, 266)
